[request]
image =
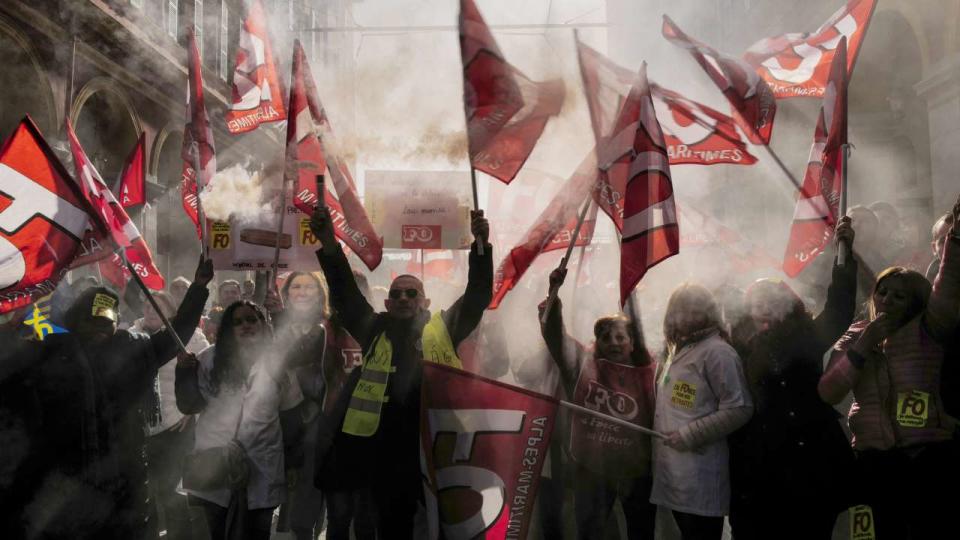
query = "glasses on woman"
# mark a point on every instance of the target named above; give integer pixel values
(395, 294)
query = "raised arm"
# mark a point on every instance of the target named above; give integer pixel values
(187, 317)
(186, 386)
(841, 305)
(943, 309)
(355, 312)
(850, 354)
(566, 352)
(463, 317)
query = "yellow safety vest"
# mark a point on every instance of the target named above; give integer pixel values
(363, 413)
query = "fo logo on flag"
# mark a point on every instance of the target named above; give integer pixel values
(420, 237)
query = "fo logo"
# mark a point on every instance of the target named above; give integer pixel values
(604, 399)
(420, 237)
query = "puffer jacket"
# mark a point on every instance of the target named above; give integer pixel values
(897, 401)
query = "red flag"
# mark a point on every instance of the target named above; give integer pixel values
(703, 230)
(133, 179)
(818, 203)
(650, 230)
(257, 96)
(696, 134)
(120, 230)
(43, 217)
(561, 240)
(750, 98)
(483, 444)
(198, 145)
(306, 159)
(798, 64)
(554, 219)
(506, 112)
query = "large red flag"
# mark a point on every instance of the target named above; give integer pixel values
(751, 100)
(306, 159)
(650, 229)
(696, 134)
(119, 228)
(43, 217)
(798, 64)
(256, 96)
(133, 179)
(554, 219)
(818, 203)
(198, 146)
(506, 112)
(483, 444)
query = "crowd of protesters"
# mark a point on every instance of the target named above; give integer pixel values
(295, 405)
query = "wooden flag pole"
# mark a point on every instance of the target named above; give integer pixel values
(280, 215)
(153, 302)
(552, 297)
(612, 419)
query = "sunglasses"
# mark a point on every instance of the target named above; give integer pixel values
(395, 294)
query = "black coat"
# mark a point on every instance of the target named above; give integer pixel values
(793, 448)
(80, 413)
(347, 461)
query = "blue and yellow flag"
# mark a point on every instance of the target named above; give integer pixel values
(39, 319)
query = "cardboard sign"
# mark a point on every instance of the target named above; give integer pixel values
(420, 209)
(250, 244)
(104, 306)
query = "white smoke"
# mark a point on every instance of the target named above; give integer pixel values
(236, 193)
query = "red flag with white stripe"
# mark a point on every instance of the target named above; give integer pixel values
(256, 96)
(751, 100)
(506, 112)
(697, 134)
(650, 230)
(798, 64)
(134, 177)
(198, 145)
(43, 217)
(818, 203)
(306, 158)
(108, 212)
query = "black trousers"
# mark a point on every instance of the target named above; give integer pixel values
(594, 496)
(346, 507)
(165, 452)
(256, 524)
(694, 527)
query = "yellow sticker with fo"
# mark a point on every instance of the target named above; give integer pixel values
(683, 394)
(913, 408)
(861, 523)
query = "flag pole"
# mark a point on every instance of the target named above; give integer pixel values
(552, 297)
(476, 201)
(579, 270)
(280, 215)
(843, 249)
(612, 419)
(201, 217)
(422, 264)
(153, 302)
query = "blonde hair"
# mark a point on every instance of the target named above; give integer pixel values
(917, 286)
(691, 311)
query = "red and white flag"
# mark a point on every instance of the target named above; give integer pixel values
(198, 145)
(697, 134)
(818, 203)
(43, 217)
(256, 97)
(563, 237)
(133, 178)
(650, 231)
(306, 159)
(701, 230)
(555, 218)
(118, 228)
(506, 112)
(751, 100)
(798, 64)
(482, 448)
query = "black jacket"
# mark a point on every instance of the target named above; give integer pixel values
(82, 422)
(352, 461)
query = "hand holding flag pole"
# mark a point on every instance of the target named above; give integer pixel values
(153, 302)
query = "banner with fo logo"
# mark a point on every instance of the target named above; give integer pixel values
(483, 444)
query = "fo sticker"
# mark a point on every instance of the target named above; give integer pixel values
(306, 235)
(221, 235)
(913, 408)
(684, 394)
(861, 523)
(103, 306)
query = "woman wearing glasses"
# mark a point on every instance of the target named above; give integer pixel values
(242, 391)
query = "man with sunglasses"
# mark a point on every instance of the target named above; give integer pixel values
(376, 421)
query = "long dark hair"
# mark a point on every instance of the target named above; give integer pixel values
(225, 367)
(640, 355)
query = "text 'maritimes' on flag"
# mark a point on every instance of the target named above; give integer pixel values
(751, 101)
(43, 217)
(306, 158)
(483, 444)
(818, 203)
(506, 112)
(256, 94)
(198, 145)
(120, 231)
(798, 64)
(133, 177)
(650, 230)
